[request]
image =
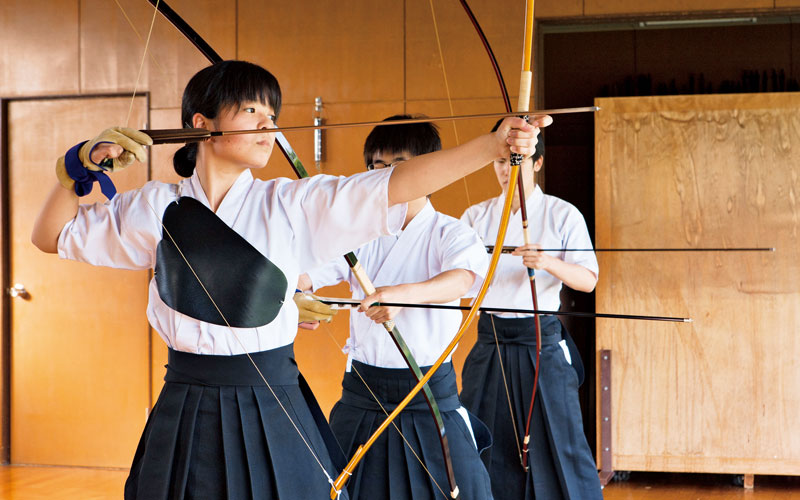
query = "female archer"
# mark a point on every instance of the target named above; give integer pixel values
(235, 419)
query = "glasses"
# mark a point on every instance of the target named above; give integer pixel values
(381, 164)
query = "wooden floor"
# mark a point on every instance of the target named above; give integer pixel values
(64, 483)
(19, 482)
(663, 486)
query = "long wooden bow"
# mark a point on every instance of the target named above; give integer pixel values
(523, 104)
(352, 261)
(525, 83)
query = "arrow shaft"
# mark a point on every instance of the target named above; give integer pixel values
(168, 136)
(510, 249)
(351, 303)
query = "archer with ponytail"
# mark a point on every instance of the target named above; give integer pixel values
(235, 419)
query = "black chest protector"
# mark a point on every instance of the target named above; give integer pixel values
(248, 288)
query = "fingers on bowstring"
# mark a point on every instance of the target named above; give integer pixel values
(133, 141)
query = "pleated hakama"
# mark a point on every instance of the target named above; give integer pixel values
(561, 462)
(217, 432)
(389, 470)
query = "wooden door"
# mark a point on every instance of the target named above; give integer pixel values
(720, 394)
(80, 342)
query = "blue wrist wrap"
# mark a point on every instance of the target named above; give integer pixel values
(85, 178)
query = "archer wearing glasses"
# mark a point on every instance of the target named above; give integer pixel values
(435, 259)
(378, 164)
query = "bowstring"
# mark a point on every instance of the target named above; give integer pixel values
(505, 385)
(139, 36)
(144, 57)
(447, 89)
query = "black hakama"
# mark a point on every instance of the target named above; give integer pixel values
(561, 462)
(389, 470)
(217, 432)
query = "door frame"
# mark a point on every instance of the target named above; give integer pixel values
(5, 270)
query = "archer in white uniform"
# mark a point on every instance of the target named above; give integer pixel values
(434, 259)
(216, 430)
(560, 461)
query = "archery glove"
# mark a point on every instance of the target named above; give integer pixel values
(131, 140)
(311, 309)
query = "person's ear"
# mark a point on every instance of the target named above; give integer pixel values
(200, 121)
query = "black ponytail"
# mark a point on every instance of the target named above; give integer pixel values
(217, 87)
(185, 159)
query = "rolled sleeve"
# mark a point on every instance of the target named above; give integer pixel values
(464, 250)
(121, 233)
(577, 236)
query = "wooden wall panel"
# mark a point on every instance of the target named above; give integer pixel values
(342, 148)
(38, 47)
(302, 43)
(111, 57)
(111, 51)
(454, 199)
(716, 395)
(469, 72)
(174, 59)
(558, 8)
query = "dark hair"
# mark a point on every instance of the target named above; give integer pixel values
(217, 87)
(416, 138)
(539, 152)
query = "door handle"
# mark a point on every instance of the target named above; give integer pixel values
(19, 291)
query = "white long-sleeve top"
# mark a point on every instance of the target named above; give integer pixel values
(553, 223)
(297, 224)
(431, 244)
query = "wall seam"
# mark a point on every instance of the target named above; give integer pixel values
(405, 59)
(80, 82)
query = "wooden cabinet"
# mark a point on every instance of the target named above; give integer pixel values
(719, 394)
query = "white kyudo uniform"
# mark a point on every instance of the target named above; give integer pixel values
(215, 420)
(295, 224)
(561, 462)
(552, 223)
(431, 244)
